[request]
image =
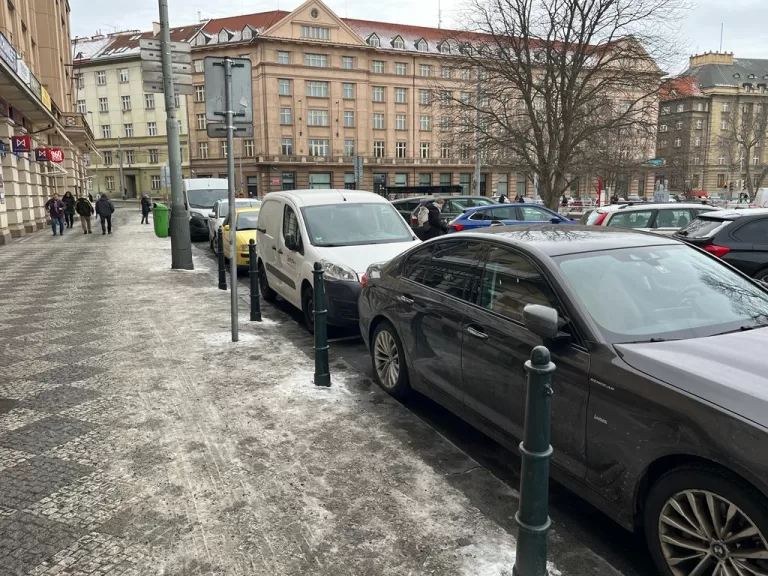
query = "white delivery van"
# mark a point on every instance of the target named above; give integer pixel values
(200, 194)
(761, 198)
(345, 230)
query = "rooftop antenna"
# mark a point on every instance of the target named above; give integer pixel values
(721, 36)
(439, 16)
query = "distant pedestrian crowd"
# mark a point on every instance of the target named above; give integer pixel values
(62, 212)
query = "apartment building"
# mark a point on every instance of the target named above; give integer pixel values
(700, 114)
(129, 124)
(36, 102)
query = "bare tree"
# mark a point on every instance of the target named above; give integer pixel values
(542, 81)
(620, 151)
(742, 140)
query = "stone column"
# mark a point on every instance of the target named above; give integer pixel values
(14, 192)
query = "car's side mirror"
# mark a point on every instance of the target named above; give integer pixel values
(212, 215)
(541, 320)
(555, 220)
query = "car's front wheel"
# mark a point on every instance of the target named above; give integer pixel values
(266, 292)
(702, 521)
(389, 361)
(308, 308)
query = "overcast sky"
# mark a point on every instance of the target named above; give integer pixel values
(744, 21)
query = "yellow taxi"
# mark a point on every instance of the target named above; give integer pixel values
(247, 219)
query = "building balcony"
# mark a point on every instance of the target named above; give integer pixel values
(77, 129)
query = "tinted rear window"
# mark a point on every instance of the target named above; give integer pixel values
(704, 227)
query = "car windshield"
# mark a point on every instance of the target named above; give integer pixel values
(355, 224)
(703, 227)
(662, 293)
(248, 220)
(224, 205)
(204, 197)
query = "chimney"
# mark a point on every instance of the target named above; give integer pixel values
(156, 28)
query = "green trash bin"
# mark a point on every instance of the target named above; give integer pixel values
(160, 217)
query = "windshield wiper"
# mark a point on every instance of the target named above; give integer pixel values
(746, 328)
(651, 341)
(683, 233)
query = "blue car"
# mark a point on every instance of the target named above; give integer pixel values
(506, 214)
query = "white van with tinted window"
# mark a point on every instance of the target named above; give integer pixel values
(200, 194)
(345, 230)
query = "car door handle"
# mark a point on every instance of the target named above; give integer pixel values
(280, 251)
(262, 230)
(405, 299)
(274, 247)
(477, 333)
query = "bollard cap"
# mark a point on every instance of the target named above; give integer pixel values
(540, 355)
(318, 267)
(251, 241)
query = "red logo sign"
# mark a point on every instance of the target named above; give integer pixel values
(56, 155)
(41, 154)
(21, 143)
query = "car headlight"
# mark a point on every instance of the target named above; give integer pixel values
(338, 271)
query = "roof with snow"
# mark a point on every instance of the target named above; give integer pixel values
(742, 71)
(122, 44)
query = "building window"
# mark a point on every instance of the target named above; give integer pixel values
(101, 78)
(424, 96)
(466, 98)
(286, 146)
(445, 151)
(378, 67)
(319, 180)
(202, 123)
(424, 150)
(103, 105)
(317, 89)
(466, 74)
(200, 93)
(128, 130)
(285, 116)
(152, 128)
(401, 179)
(249, 149)
(378, 121)
(81, 106)
(721, 180)
(348, 91)
(697, 141)
(284, 86)
(721, 160)
(726, 106)
(130, 157)
(679, 126)
(149, 101)
(349, 147)
(724, 125)
(79, 81)
(378, 93)
(176, 100)
(678, 142)
(349, 181)
(252, 182)
(445, 72)
(315, 32)
(756, 160)
(425, 179)
(349, 119)
(401, 95)
(445, 178)
(398, 43)
(425, 70)
(155, 182)
(425, 122)
(347, 62)
(316, 60)
(378, 148)
(374, 41)
(317, 117)
(106, 131)
(283, 57)
(699, 124)
(401, 149)
(422, 46)
(109, 181)
(464, 152)
(318, 147)
(400, 68)
(224, 149)
(445, 97)
(400, 122)
(199, 65)
(154, 156)
(465, 180)
(124, 75)
(107, 158)
(680, 107)
(202, 150)
(87, 158)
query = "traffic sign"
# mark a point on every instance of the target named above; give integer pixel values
(157, 87)
(358, 168)
(157, 66)
(157, 56)
(165, 176)
(155, 44)
(242, 96)
(157, 78)
(219, 130)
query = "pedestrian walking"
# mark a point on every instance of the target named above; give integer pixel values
(69, 214)
(56, 208)
(614, 199)
(502, 199)
(519, 198)
(435, 227)
(146, 206)
(105, 209)
(85, 210)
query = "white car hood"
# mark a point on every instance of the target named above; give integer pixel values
(358, 258)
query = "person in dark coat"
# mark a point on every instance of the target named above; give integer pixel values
(104, 209)
(69, 214)
(56, 208)
(84, 209)
(502, 199)
(519, 198)
(146, 206)
(435, 226)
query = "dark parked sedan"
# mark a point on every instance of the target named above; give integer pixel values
(661, 390)
(739, 237)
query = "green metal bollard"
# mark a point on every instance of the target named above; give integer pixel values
(532, 515)
(253, 278)
(322, 371)
(222, 268)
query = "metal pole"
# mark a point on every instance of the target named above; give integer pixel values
(253, 277)
(532, 517)
(231, 186)
(222, 267)
(322, 371)
(120, 168)
(181, 244)
(477, 134)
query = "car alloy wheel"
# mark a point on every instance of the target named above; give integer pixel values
(386, 360)
(266, 292)
(703, 533)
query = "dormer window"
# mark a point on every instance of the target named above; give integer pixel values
(247, 33)
(225, 35)
(373, 40)
(421, 45)
(737, 75)
(202, 39)
(466, 49)
(398, 42)
(445, 48)
(751, 76)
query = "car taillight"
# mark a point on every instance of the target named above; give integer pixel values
(364, 280)
(414, 221)
(718, 251)
(457, 227)
(600, 219)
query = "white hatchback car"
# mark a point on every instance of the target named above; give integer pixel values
(345, 230)
(665, 219)
(220, 211)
